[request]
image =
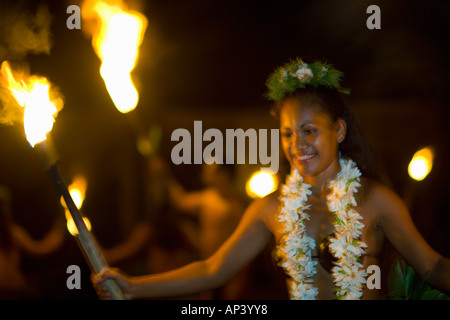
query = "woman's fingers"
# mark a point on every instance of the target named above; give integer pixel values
(113, 274)
(98, 280)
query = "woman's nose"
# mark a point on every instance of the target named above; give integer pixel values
(300, 142)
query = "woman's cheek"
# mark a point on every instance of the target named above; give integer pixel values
(287, 150)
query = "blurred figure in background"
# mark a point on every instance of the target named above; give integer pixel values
(217, 209)
(170, 241)
(157, 240)
(14, 241)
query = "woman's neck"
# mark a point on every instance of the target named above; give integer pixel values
(319, 182)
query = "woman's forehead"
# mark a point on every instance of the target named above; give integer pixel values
(295, 112)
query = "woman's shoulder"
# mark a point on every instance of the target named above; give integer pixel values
(379, 196)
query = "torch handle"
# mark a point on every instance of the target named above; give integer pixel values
(86, 240)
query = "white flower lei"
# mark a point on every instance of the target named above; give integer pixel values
(295, 245)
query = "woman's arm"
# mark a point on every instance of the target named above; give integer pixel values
(400, 230)
(249, 239)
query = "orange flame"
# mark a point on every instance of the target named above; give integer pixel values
(77, 190)
(116, 41)
(33, 94)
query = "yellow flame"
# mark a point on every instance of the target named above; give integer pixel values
(33, 94)
(71, 226)
(421, 164)
(116, 41)
(261, 183)
(77, 190)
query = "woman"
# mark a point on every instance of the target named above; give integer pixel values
(329, 220)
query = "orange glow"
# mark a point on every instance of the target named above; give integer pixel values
(71, 224)
(421, 164)
(77, 190)
(33, 94)
(261, 183)
(116, 40)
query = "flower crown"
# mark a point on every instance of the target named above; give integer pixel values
(298, 74)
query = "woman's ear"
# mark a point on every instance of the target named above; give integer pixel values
(341, 130)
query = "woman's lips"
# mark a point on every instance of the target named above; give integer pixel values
(304, 158)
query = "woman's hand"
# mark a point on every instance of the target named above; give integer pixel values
(123, 281)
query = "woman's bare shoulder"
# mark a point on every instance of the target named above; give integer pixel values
(380, 197)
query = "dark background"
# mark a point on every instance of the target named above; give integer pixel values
(208, 61)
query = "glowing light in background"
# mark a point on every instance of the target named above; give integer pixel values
(421, 164)
(261, 183)
(116, 40)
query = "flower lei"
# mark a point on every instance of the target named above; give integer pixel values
(295, 245)
(298, 74)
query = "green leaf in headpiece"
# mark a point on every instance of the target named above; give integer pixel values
(298, 74)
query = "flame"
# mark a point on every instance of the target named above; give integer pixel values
(77, 190)
(421, 164)
(261, 183)
(33, 94)
(116, 41)
(71, 224)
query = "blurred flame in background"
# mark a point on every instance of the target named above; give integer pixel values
(116, 38)
(77, 190)
(40, 104)
(421, 164)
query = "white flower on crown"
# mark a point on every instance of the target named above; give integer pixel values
(283, 76)
(322, 72)
(304, 73)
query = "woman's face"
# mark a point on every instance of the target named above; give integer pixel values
(309, 138)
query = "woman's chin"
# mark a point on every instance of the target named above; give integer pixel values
(306, 168)
(305, 171)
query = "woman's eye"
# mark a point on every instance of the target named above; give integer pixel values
(286, 134)
(309, 131)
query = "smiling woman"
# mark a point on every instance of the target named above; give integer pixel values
(332, 192)
(325, 112)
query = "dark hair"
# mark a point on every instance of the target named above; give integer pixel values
(355, 145)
